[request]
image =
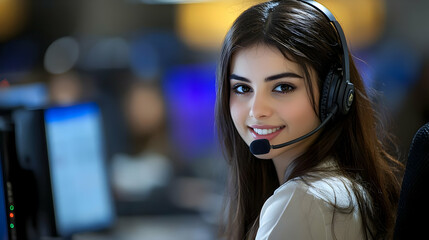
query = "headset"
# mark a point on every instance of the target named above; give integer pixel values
(337, 92)
(337, 88)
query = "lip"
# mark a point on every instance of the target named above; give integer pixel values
(270, 136)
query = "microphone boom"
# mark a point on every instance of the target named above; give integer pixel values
(262, 146)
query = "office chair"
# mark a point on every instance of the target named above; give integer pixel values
(413, 210)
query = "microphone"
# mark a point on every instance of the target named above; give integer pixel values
(262, 146)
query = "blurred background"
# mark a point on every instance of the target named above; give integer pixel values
(150, 65)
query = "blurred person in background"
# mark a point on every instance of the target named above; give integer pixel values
(66, 88)
(280, 66)
(143, 173)
(148, 178)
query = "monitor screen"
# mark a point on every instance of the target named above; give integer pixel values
(80, 189)
(29, 95)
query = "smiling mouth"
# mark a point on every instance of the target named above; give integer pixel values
(266, 131)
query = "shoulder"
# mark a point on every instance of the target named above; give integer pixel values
(335, 190)
(288, 211)
(305, 209)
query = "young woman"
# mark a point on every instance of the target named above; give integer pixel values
(278, 64)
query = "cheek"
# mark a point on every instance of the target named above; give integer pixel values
(300, 113)
(238, 113)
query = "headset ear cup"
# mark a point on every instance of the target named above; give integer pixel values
(346, 96)
(324, 97)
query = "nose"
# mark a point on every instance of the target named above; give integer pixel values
(260, 107)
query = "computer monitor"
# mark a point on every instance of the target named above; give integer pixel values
(81, 195)
(57, 171)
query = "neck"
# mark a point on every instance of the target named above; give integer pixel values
(282, 161)
(281, 164)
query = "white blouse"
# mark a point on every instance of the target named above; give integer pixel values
(299, 211)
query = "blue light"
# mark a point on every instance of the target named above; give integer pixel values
(190, 95)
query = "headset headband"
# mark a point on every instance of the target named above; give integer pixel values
(343, 42)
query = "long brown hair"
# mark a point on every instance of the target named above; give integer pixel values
(354, 141)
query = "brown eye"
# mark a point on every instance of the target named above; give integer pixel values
(284, 88)
(241, 89)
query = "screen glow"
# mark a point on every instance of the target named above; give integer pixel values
(79, 182)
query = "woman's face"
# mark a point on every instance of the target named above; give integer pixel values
(269, 99)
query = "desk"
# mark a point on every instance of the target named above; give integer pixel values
(156, 228)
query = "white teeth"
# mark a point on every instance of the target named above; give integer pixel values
(265, 131)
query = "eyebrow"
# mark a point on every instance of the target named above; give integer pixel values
(267, 79)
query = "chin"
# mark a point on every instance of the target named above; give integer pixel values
(276, 153)
(266, 156)
(272, 154)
